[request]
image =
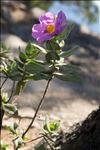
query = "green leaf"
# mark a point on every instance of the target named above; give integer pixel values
(3, 146)
(65, 33)
(51, 127)
(13, 72)
(52, 56)
(48, 57)
(10, 108)
(68, 77)
(52, 46)
(41, 76)
(32, 50)
(18, 142)
(22, 57)
(3, 51)
(12, 128)
(57, 125)
(19, 87)
(34, 67)
(4, 97)
(19, 63)
(40, 48)
(68, 68)
(68, 52)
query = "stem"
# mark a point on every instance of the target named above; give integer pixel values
(48, 143)
(1, 113)
(11, 92)
(49, 138)
(1, 76)
(34, 139)
(1, 110)
(39, 105)
(3, 83)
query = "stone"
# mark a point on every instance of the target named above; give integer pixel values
(12, 42)
(37, 12)
(14, 11)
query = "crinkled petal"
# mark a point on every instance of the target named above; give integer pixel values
(44, 37)
(38, 29)
(47, 18)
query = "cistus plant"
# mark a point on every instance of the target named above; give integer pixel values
(49, 34)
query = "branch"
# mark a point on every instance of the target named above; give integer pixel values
(39, 105)
(3, 83)
(11, 92)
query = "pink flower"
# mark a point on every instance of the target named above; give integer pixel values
(49, 26)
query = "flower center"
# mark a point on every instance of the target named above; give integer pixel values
(50, 28)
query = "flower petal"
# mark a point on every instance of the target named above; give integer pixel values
(44, 37)
(61, 22)
(38, 29)
(41, 32)
(47, 18)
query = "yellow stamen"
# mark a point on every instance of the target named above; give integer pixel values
(50, 28)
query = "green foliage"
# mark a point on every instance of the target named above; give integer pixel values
(51, 56)
(64, 35)
(4, 146)
(13, 128)
(34, 67)
(68, 77)
(4, 97)
(52, 46)
(20, 86)
(40, 146)
(31, 51)
(12, 71)
(28, 66)
(9, 108)
(68, 53)
(18, 142)
(3, 57)
(51, 127)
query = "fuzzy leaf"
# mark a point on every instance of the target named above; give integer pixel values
(52, 46)
(68, 52)
(32, 50)
(19, 87)
(10, 108)
(52, 56)
(34, 67)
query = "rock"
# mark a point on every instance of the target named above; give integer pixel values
(85, 136)
(37, 12)
(13, 42)
(14, 11)
(23, 30)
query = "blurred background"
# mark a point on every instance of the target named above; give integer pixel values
(71, 102)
